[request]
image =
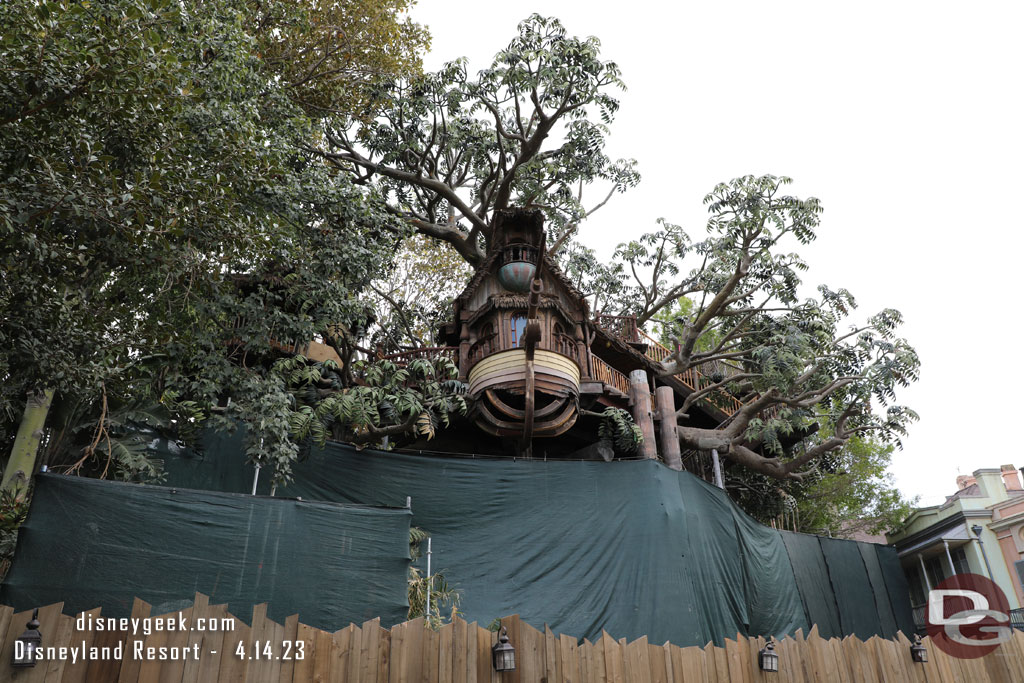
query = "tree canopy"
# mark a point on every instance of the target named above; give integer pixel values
(446, 151)
(850, 492)
(329, 55)
(162, 230)
(795, 363)
(187, 186)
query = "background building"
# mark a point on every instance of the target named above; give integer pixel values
(978, 530)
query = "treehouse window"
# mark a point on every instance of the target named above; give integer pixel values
(517, 328)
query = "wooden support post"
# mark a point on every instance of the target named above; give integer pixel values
(464, 345)
(640, 401)
(582, 352)
(667, 430)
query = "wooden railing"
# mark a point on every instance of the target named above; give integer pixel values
(626, 328)
(460, 652)
(559, 343)
(693, 377)
(565, 345)
(603, 372)
(623, 326)
(482, 348)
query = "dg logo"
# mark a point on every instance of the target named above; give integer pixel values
(968, 616)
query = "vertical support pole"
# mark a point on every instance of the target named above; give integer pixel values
(22, 462)
(716, 462)
(640, 401)
(581, 351)
(463, 351)
(949, 558)
(924, 573)
(668, 428)
(430, 579)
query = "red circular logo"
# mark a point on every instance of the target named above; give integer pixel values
(968, 616)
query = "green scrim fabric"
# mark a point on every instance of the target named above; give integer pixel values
(768, 596)
(814, 583)
(93, 543)
(852, 588)
(896, 586)
(631, 547)
(219, 466)
(885, 612)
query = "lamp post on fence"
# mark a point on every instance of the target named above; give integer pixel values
(768, 659)
(918, 652)
(503, 654)
(27, 643)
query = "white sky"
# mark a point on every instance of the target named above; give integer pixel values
(904, 118)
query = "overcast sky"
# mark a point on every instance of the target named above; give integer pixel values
(904, 118)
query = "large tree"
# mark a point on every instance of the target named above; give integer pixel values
(850, 493)
(448, 150)
(796, 363)
(162, 229)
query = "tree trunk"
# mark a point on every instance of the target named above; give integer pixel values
(26, 444)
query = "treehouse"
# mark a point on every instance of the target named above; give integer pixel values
(541, 369)
(519, 331)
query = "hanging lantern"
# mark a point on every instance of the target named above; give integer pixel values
(918, 652)
(28, 643)
(767, 658)
(503, 653)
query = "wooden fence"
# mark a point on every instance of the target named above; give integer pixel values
(458, 652)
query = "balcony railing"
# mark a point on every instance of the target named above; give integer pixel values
(623, 326)
(521, 253)
(603, 372)
(695, 378)
(559, 343)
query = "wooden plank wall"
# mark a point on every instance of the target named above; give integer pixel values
(460, 652)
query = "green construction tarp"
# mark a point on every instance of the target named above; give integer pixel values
(630, 547)
(858, 614)
(765, 548)
(896, 586)
(813, 582)
(91, 543)
(885, 613)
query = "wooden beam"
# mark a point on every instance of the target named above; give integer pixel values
(666, 398)
(640, 401)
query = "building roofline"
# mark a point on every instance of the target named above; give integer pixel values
(943, 524)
